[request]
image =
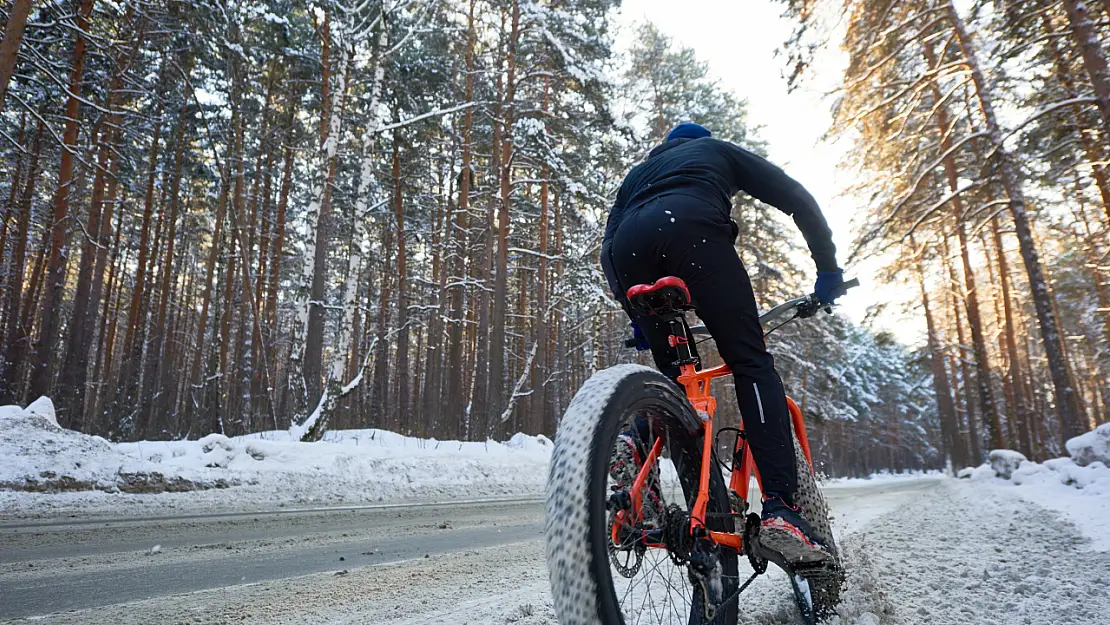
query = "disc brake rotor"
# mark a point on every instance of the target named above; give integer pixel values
(630, 547)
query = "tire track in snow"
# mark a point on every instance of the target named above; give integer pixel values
(963, 554)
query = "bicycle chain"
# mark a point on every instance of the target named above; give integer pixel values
(758, 564)
(711, 611)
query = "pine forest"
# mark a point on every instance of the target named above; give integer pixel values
(242, 216)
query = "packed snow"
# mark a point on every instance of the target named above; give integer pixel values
(1076, 487)
(1017, 542)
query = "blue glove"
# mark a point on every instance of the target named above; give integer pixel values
(638, 334)
(826, 289)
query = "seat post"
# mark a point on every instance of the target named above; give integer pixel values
(680, 340)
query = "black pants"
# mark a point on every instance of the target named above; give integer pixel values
(683, 236)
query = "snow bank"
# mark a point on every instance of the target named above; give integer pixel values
(266, 469)
(41, 411)
(1005, 462)
(37, 455)
(1078, 488)
(1094, 446)
(875, 478)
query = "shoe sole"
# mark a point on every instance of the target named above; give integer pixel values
(782, 538)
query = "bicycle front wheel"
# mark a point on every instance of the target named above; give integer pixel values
(605, 571)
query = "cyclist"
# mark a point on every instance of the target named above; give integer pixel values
(672, 218)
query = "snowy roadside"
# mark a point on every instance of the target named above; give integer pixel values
(46, 470)
(1076, 487)
(877, 478)
(936, 551)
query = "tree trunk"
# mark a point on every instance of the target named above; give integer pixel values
(380, 394)
(17, 334)
(86, 298)
(159, 372)
(984, 375)
(314, 337)
(432, 405)
(9, 282)
(279, 226)
(954, 448)
(558, 353)
(43, 372)
(543, 421)
(480, 418)
(206, 294)
(402, 404)
(129, 396)
(367, 187)
(9, 46)
(94, 423)
(971, 295)
(497, 338)
(455, 409)
(227, 311)
(965, 371)
(1067, 406)
(1094, 59)
(413, 423)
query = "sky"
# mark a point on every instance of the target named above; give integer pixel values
(738, 40)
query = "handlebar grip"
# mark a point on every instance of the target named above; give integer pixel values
(844, 286)
(631, 342)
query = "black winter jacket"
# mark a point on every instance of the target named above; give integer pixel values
(714, 171)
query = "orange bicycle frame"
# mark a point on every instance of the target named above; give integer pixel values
(697, 384)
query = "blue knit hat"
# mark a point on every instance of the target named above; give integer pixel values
(689, 130)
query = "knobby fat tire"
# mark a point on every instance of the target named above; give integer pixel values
(576, 529)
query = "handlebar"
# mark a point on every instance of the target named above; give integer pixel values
(802, 307)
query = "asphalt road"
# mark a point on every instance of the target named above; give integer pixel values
(359, 558)
(107, 562)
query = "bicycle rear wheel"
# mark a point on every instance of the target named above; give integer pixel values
(597, 580)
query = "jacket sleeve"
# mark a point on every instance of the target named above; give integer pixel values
(764, 181)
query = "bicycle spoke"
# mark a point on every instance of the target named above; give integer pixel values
(681, 592)
(661, 592)
(647, 595)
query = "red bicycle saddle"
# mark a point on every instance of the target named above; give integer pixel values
(665, 295)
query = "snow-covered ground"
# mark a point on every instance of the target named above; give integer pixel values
(1076, 488)
(930, 550)
(1016, 543)
(48, 470)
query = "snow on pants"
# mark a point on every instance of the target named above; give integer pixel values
(684, 236)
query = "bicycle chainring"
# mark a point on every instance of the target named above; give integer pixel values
(751, 536)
